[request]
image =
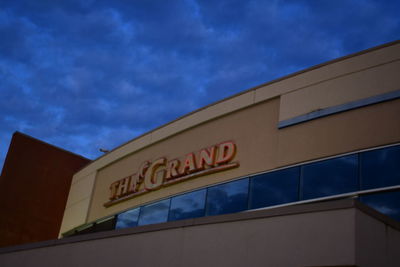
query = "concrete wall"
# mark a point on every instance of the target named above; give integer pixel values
(324, 234)
(373, 236)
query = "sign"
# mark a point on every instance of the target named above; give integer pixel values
(163, 172)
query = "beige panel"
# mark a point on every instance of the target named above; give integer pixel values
(253, 130)
(277, 241)
(130, 147)
(124, 150)
(393, 247)
(368, 240)
(329, 71)
(364, 84)
(81, 189)
(75, 215)
(81, 174)
(261, 146)
(340, 133)
(206, 114)
(306, 239)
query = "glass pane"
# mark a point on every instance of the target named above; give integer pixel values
(387, 203)
(330, 177)
(190, 205)
(274, 188)
(128, 219)
(154, 213)
(227, 198)
(105, 225)
(87, 230)
(380, 168)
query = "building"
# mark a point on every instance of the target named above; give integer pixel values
(34, 187)
(300, 171)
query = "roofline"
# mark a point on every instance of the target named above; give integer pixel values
(51, 145)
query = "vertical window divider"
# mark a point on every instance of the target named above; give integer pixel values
(169, 208)
(114, 222)
(138, 217)
(205, 201)
(300, 186)
(359, 172)
(249, 192)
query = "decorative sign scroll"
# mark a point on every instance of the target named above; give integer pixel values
(162, 172)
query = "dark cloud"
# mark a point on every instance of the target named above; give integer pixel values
(89, 74)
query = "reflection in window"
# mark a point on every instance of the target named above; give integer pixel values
(380, 168)
(274, 188)
(387, 203)
(154, 213)
(330, 177)
(190, 205)
(128, 219)
(227, 198)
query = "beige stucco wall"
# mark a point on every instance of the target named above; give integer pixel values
(377, 238)
(274, 241)
(353, 86)
(78, 202)
(253, 130)
(349, 131)
(261, 146)
(250, 119)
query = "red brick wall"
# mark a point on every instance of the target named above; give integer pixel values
(34, 187)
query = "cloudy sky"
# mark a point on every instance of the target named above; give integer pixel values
(85, 74)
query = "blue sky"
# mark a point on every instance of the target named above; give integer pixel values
(84, 74)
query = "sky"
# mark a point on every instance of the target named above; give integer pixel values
(85, 74)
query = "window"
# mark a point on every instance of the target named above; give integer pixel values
(227, 198)
(190, 205)
(154, 213)
(377, 168)
(330, 177)
(274, 188)
(380, 168)
(105, 225)
(128, 219)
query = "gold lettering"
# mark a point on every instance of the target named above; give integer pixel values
(142, 170)
(114, 189)
(172, 169)
(226, 152)
(154, 177)
(206, 157)
(123, 186)
(189, 165)
(135, 183)
(151, 176)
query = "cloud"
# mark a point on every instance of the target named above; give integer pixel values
(90, 74)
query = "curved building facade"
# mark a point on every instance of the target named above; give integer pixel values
(329, 132)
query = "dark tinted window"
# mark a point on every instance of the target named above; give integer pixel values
(227, 198)
(128, 219)
(387, 203)
(86, 230)
(274, 188)
(105, 225)
(380, 168)
(154, 213)
(330, 177)
(190, 205)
